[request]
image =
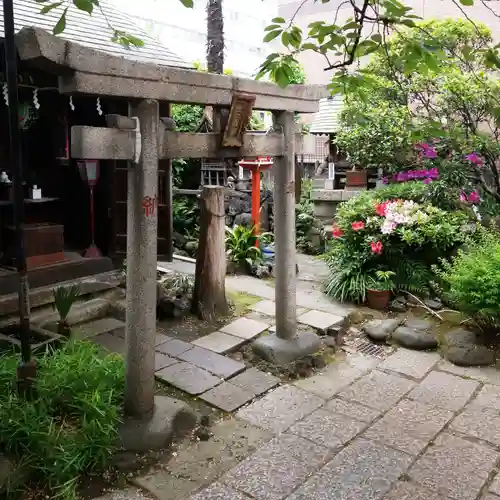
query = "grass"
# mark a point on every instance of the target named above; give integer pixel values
(70, 426)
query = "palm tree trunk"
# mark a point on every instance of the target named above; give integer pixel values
(215, 37)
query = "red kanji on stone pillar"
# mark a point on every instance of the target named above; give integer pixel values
(149, 205)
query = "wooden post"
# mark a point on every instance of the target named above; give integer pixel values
(209, 296)
(166, 111)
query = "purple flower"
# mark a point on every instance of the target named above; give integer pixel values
(385, 180)
(428, 151)
(475, 159)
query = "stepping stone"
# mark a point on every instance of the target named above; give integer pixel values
(174, 347)
(162, 361)
(227, 397)
(380, 329)
(188, 378)
(255, 381)
(245, 328)
(268, 308)
(111, 343)
(212, 362)
(161, 339)
(219, 342)
(320, 320)
(96, 327)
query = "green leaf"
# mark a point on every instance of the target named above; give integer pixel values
(467, 3)
(272, 35)
(61, 24)
(278, 20)
(377, 37)
(48, 8)
(188, 3)
(272, 27)
(85, 5)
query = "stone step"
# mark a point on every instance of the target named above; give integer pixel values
(97, 327)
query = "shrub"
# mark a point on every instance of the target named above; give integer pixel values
(373, 233)
(71, 425)
(305, 223)
(471, 281)
(241, 246)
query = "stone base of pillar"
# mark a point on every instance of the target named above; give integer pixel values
(171, 419)
(281, 351)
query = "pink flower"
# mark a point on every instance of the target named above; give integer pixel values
(428, 151)
(475, 159)
(377, 247)
(474, 198)
(337, 232)
(463, 197)
(357, 226)
(428, 180)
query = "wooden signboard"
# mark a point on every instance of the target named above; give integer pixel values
(239, 118)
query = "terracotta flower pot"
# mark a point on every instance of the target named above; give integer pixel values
(378, 299)
(356, 178)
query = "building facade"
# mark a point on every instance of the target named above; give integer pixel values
(314, 64)
(184, 30)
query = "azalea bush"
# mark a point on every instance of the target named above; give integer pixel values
(376, 232)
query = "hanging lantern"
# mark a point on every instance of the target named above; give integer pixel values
(89, 172)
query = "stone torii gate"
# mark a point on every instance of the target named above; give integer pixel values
(142, 138)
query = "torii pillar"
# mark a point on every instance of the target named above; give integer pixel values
(287, 345)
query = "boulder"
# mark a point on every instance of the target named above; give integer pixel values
(413, 338)
(398, 306)
(434, 304)
(381, 329)
(462, 347)
(243, 220)
(419, 324)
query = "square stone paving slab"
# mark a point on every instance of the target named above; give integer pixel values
(409, 426)
(96, 327)
(245, 328)
(485, 374)
(352, 410)
(444, 390)
(188, 378)
(227, 396)
(161, 338)
(268, 307)
(277, 468)
(404, 490)
(212, 362)
(199, 463)
(280, 408)
(415, 364)
(488, 397)
(479, 422)
(338, 375)
(128, 494)
(364, 470)
(378, 390)
(219, 342)
(255, 381)
(328, 429)
(218, 492)
(174, 347)
(111, 343)
(454, 467)
(320, 320)
(162, 361)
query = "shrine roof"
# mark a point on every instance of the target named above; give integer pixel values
(94, 31)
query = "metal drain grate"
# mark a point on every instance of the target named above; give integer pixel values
(363, 346)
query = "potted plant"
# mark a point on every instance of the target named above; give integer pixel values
(380, 288)
(64, 298)
(356, 179)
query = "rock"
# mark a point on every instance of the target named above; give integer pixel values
(469, 355)
(329, 341)
(356, 317)
(434, 304)
(381, 329)
(401, 298)
(459, 337)
(414, 339)
(262, 271)
(419, 324)
(173, 295)
(462, 347)
(191, 246)
(243, 220)
(397, 306)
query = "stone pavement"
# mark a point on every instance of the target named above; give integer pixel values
(364, 429)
